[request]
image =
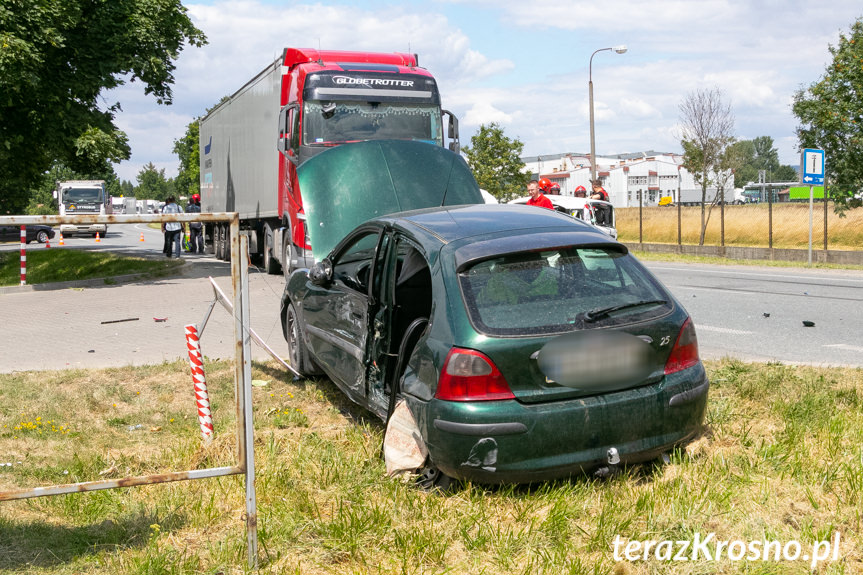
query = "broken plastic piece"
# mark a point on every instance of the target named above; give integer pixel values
(160, 319)
(404, 449)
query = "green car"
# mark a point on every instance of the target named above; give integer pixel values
(518, 344)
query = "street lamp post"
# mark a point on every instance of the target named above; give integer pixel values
(620, 50)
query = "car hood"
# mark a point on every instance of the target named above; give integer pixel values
(352, 183)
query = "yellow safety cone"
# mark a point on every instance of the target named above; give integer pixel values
(61, 240)
(97, 238)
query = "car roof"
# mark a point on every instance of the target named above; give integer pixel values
(451, 224)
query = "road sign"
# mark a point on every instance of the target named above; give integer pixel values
(812, 167)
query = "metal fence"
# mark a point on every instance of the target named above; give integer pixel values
(239, 308)
(773, 226)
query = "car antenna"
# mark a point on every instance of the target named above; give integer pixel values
(443, 200)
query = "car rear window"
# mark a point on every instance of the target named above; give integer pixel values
(557, 290)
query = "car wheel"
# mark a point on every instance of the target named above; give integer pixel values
(42, 236)
(432, 479)
(297, 351)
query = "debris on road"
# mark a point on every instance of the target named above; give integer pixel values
(120, 320)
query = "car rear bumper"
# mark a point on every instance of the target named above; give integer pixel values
(512, 442)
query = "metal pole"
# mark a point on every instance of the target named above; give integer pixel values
(825, 214)
(811, 209)
(592, 136)
(722, 219)
(679, 216)
(243, 376)
(769, 217)
(23, 255)
(640, 220)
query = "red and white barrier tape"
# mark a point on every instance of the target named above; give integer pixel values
(23, 255)
(202, 398)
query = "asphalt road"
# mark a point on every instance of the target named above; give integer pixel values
(757, 313)
(115, 325)
(749, 312)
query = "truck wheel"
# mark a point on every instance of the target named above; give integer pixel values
(287, 253)
(226, 234)
(271, 266)
(221, 242)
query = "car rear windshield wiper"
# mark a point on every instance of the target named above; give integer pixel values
(601, 312)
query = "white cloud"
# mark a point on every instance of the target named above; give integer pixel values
(524, 65)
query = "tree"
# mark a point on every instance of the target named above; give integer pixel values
(831, 116)
(760, 154)
(153, 185)
(496, 162)
(707, 130)
(189, 153)
(747, 172)
(56, 61)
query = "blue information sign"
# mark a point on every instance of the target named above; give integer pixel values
(812, 167)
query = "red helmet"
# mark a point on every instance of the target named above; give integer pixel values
(196, 197)
(555, 188)
(544, 184)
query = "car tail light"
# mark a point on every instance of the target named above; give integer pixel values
(684, 354)
(469, 375)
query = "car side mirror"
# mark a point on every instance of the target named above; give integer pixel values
(321, 273)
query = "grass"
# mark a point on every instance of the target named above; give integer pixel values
(746, 225)
(55, 265)
(780, 458)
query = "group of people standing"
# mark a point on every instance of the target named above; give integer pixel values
(174, 231)
(538, 188)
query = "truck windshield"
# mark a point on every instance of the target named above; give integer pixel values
(82, 195)
(331, 123)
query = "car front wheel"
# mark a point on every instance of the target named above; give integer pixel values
(42, 236)
(298, 353)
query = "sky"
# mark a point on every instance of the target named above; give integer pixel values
(524, 65)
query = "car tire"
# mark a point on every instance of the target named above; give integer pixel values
(298, 353)
(431, 479)
(42, 236)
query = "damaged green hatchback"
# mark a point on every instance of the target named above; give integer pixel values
(516, 343)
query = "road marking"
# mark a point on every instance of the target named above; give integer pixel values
(846, 347)
(730, 291)
(772, 276)
(728, 330)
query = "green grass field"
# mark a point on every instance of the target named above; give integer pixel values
(780, 458)
(56, 264)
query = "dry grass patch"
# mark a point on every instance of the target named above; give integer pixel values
(780, 458)
(747, 225)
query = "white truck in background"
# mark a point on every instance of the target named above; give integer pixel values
(83, 197)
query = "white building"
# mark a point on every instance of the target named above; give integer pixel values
(652, 175)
